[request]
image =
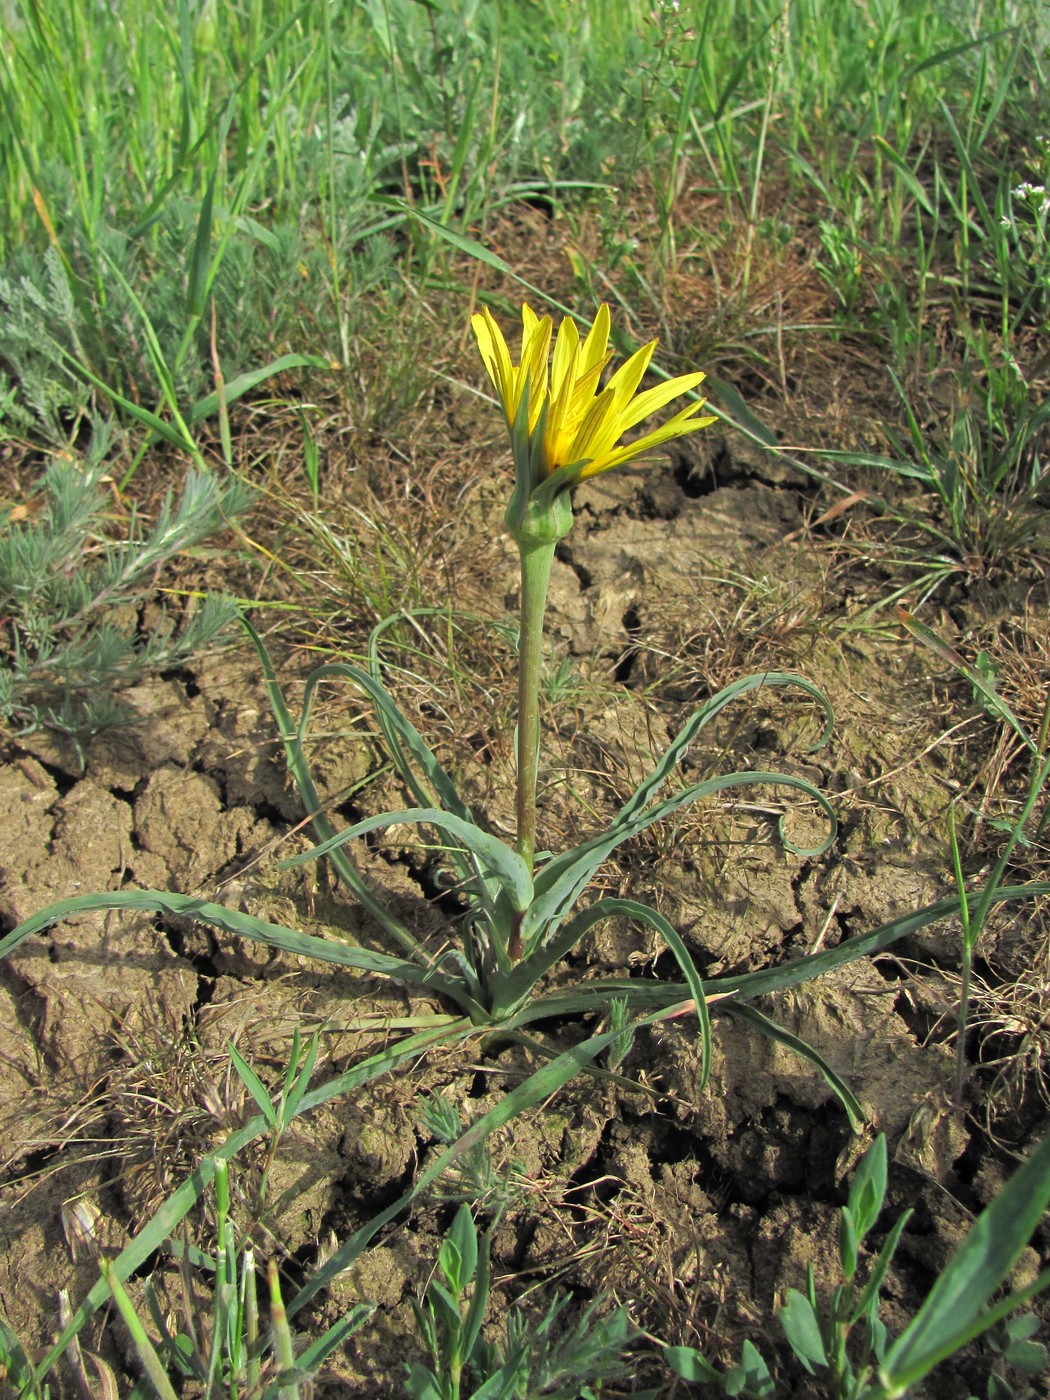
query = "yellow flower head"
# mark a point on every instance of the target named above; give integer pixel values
(581, 424)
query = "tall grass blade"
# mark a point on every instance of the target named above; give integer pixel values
(562, 880)
(151, 1362)
(200, 259)
(501, 864)
(980, 683)
(241, 925)
(251, 379)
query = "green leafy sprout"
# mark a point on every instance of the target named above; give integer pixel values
(843, 1342)
(535, 1357)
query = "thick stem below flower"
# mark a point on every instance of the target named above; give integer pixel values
(536, 562)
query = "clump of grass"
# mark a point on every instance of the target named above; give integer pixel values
(986, 461)
(213, 1330)
(535, 1356)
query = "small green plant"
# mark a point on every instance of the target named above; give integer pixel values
(1026, 221)
(1022, 829)
(983, 463)
(842, 1341)
(475, 1177)
(841, 264)
(1011, 1343)
(279, 1115)
(217, 1337)
(524, 909)
(537, 1357)
(988, 464)
(69, 594)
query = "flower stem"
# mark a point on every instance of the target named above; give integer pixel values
(536, 562)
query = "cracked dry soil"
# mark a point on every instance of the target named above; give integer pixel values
(697, 1209)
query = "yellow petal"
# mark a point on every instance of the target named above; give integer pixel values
(627, 378)
(529, 322)
(566, 349)
(489, 338)
(561, 415)
(681, 424)
(535, 353)
(599, 431)
(595, 347)
(654, 399)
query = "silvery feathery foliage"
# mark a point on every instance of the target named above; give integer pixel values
(69, 594)
(41, 332)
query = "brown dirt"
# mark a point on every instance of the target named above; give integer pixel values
(697, 1209)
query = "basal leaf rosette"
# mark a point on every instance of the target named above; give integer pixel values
(565, 427)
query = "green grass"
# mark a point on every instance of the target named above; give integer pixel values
(263, 158)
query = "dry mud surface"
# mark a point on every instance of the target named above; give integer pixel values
(699, 1210)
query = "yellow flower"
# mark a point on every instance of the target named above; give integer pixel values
(581, 424)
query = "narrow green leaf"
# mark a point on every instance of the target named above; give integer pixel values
(802, 1329)
(499, 862)
(463, 1234)
(200, 258)
(973, 183)
(294, 1095)
(318, 1352)
(294, 1056)
(804, 969)
(976, 1269)
(980, 682)
(867, 1304)
(462, 244)
(292, 738)
(513, 989)
(176, 433)
(907, 175)
(410, 750)
(561, 881)
(475, 1318)
(253, 1084)
(151, 1362)
(245, 383)
(418, 766)
(231, 921)
(690, 1365)
(953, 51)
(867, 1189)
(848, 1243)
